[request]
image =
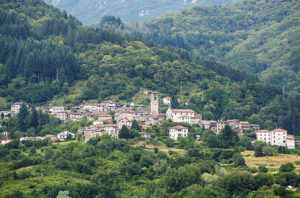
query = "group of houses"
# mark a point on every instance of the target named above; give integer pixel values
(109, 117)
(63, 136)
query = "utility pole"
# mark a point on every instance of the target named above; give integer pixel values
(283, 91)
(181, 87)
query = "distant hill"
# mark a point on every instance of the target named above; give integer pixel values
(257, 36)
(91, 11)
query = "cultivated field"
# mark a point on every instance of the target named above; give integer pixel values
(160, 146)
(271, 162)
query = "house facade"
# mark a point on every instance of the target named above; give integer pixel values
(178, 131)
(64, 135)
(278, 137)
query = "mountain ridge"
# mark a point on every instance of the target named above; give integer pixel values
(91, 11)
(256, 36)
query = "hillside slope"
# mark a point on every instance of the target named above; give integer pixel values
(261, 36)
(91, 11)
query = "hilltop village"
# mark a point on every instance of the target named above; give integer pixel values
(109, 117)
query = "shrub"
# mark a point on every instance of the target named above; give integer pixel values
(262, 169)
(278, 190)
(288, 167)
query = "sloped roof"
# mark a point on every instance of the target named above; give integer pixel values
(178, 127)
(279, 130)
(263, 131)
(183, 111)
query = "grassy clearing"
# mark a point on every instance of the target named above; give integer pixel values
(74, 92)
(3, 102)
(161, 147)
(271, 162)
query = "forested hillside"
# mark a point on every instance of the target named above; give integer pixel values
(261, 36)
(104, 167)
(46, 51)
(91, 11)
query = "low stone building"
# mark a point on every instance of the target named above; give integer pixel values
(99, 130)
(64, 135)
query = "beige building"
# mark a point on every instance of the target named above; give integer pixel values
(124, 122)
(62, 115)
(99, 130)
(15, 108)
(178, 131)
(182, 115)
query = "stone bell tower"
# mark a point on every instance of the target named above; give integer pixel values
(154, 103)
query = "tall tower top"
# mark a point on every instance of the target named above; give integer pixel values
(154, 103)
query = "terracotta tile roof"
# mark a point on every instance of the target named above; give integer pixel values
(244, 122)
(185, 116)
(106, 125)
(279, 130)
(290, 137)
(178, 127)
(263, 131)
(183, 111)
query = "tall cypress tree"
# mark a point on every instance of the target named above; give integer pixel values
(22, 118)
(228, 137)
(135, 125)
(174, 102)
(124, 133)
(33, 119)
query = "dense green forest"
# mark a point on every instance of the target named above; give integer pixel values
(46, 51)
(260, 37)
(91, 11)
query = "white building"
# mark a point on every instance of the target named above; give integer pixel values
(92, 107)
(30, 138)
(4, 141)
(185, 119)
(64, 135)
(6, 114)
(278, 137)
(54, 110)
(167, 100)
(290, 141)
(74, 116)
(183, 115)
(178, 113)
(178, 131)
(264, 135)
(108, 106)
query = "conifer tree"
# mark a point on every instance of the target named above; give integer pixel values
(124, 133)
(33, 119)
(22, 118)
(135, 125)
(228, 137)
